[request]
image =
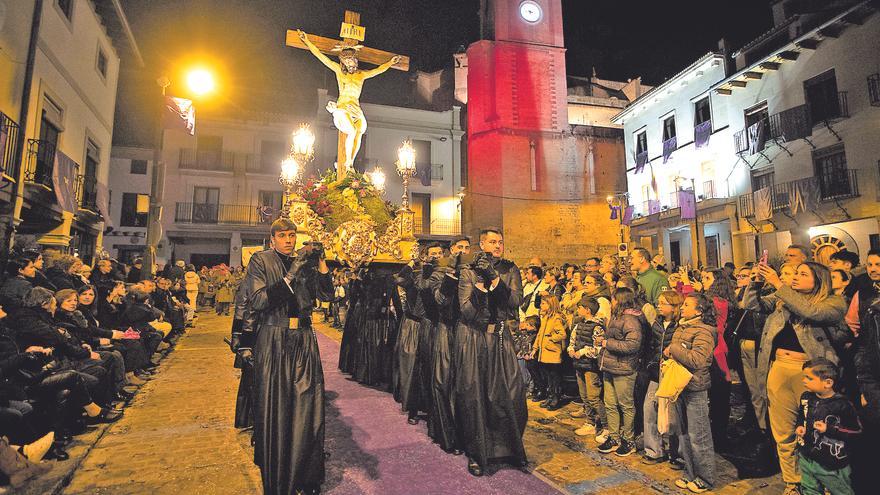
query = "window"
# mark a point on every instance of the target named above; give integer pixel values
(271, 154)
(641, 143)
(761, 180)
(832, 172)
(702, 112)
(668, 128)
(132, 216)
(210, 143)
(756, 114)
(206, 204)
(66, 8)
(206, 195)
(139, 167)
(101, 63)
(271, 198)
(820, 93)
(421, 207)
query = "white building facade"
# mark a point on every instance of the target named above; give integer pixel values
(792, 157)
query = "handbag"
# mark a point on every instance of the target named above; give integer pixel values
(673, 379)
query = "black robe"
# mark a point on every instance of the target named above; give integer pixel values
(244, 399)
(378, 331)
(489, 395)
(443, 285)
(352, 329)
(409, 393)
(288, 377)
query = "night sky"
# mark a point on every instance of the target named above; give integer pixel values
(244, 41)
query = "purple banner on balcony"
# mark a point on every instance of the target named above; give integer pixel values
(627, 217)
(763, 199)
(804, 196)
(702, 133)
(641, 161)
(688, 204)
(757, 137)
(669, 146)
(63, 177)
(653, 206)
(614, 210)
(102, 198)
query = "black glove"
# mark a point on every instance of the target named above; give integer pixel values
(484, 267)
(427, 270)
(247, 356)
(235, 343)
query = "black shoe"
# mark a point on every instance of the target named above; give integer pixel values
(106, 416)
(676, 464)
(553, 404)
(624, 449)
(646, 459)
(609, 446)
(474, 468)
(539, 396)
(56, 452)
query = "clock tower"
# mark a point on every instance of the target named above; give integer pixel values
(522, 169)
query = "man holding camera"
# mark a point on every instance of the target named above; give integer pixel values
(281, 287)
(489, 393)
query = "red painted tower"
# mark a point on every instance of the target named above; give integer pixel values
(523, 172)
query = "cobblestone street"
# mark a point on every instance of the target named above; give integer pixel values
(177, 438)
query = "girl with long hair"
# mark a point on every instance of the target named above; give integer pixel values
(802, 324)
(547, 349)
(720, 291)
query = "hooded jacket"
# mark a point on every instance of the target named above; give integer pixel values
(623, 344)
(692, 345)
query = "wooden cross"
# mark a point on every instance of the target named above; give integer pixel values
(352, 34)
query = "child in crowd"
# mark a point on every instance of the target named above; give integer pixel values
(528, 331)
(583, 349)
(826, 424)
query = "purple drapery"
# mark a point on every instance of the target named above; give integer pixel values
(63, 177)
(614, 210)
(641, 161)
(688, 204)
(669, 146)
(627, 216)
(702, 133)
(653, 206)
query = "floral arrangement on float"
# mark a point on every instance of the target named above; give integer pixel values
(353, 221)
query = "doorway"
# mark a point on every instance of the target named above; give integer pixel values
(421, 207)
(675, 253)
(712, 251)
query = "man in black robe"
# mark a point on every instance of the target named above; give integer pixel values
(244, 360)
(281, 287)
(489, 394)
(407, 380)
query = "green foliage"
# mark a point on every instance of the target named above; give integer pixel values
(354, 197)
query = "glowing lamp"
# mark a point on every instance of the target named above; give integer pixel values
(303, 148)
(200, 81)
(289, 170)
(377, 178)
(406, 159)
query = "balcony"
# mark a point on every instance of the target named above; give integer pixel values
(438, 226)
(40, 162)
(223, 161)
(874, 89)
(828, 187)
(216, 214)
(830, 110)
(9, 130)
(87, 192)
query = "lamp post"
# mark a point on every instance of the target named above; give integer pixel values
(302, 151)
(199, 82)
(406, 168)
(620, 200)
(377, 178)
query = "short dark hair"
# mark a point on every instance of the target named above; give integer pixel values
(282, 225)
(537, 271)
(845, 276)
(456, 240)
(803, 249)
(595, 258)
(489, 230)
(644, 253)
(846, 256)
(730, 264)
(433, 245)
(822, 368)
(533, 321)
(705, 306)
(16, 265)
(590, 303)
(31, 254)
(874, 252)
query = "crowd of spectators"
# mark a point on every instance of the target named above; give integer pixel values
(76, 343)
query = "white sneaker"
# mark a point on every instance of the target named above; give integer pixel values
(603, 435)
(586, 429)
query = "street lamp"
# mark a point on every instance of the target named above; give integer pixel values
(377, 178)
(290, 173)
(303, 149)
(199, 82)
(406, 168)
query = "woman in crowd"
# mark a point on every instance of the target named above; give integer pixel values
(35, 327)
(547, 349)
(20, 273)
(839, 282)
(618, 362)
(64, 273)
(138, 315)
(664, 327)
(192, 282)
(595, 287)
(693, 346)
(801, 325)
(718, 287)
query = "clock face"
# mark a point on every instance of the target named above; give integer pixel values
(530, 11)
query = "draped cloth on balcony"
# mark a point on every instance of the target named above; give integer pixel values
(641, 160)
(804, 196)
(63, 178)
(763, 204)
(702, 133)
(653, 206)
(688, 204)
(669, 146)
(757, 137)
(423, 172)
(102, 198)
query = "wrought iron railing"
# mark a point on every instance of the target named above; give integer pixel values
(207, 160)
(219, 214)
(832, 186)
(874, 89)
(87, 192)
(40, 162)
(262, 164)
(827, 111)
(9, 130)
(437, 227)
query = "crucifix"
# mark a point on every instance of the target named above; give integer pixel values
(348, 117)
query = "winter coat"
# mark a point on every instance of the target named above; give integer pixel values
(582, 341)
(78, 326)
(138, 316)
(13, 291)
(550, 340)
(192, 281)
(693, 343)
(35, 327)
(816, 322)
(63, 280)
(660, 337)
(224, 293)
(623, 344)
